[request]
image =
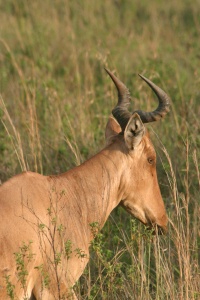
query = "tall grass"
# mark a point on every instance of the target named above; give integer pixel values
(133, 264)
(55, 101)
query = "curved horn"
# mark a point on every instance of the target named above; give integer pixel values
(120, 112)
(163, 107)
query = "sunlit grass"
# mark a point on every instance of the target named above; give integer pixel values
(55, 101)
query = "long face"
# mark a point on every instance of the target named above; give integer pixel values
(142, 197)
(140, 191)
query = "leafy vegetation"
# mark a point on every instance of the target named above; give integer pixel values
(55, 101)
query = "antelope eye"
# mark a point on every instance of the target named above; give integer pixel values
(150, 160)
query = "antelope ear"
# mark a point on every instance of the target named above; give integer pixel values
(134, 132)
(112, 129)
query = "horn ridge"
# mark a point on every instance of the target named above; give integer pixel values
(163, 106)
(120, 112)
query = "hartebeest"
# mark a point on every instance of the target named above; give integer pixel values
(45, 223)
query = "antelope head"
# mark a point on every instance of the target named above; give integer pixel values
(141, 195)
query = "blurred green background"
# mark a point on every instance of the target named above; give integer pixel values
(56, 99)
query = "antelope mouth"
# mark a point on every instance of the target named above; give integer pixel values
(144, 218)
(154, 226)
(156, 229)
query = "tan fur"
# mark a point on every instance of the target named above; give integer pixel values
(33, 208)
